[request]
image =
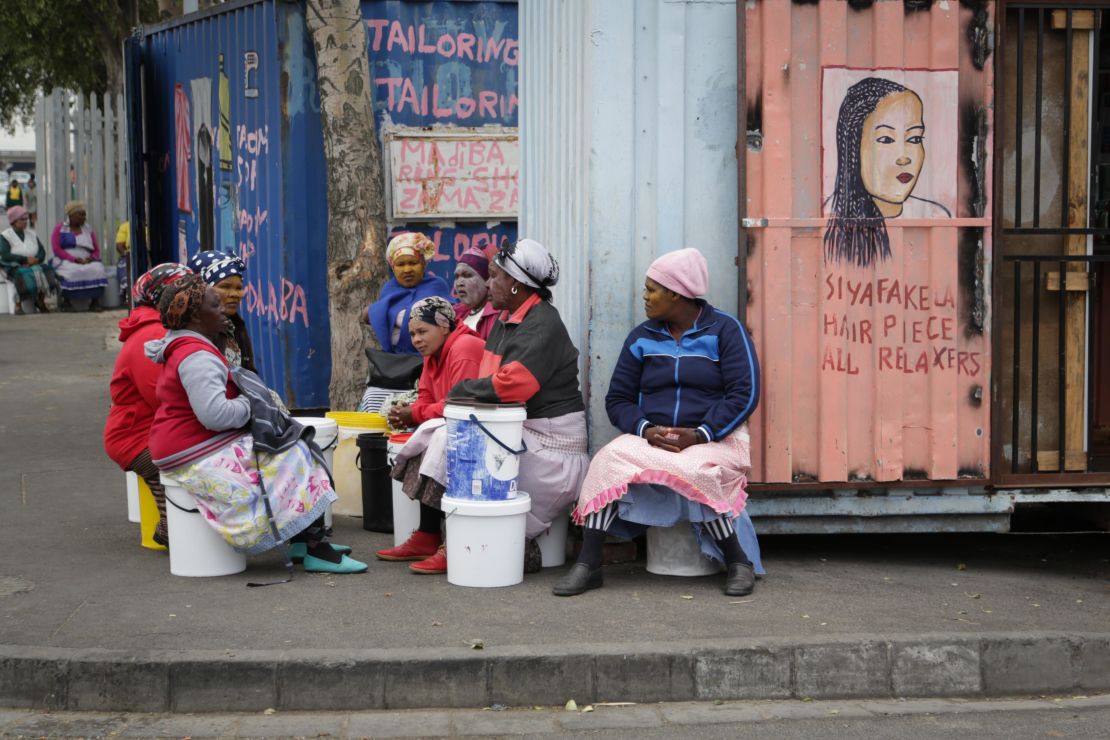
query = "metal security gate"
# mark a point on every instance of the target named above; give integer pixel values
(1052, 171)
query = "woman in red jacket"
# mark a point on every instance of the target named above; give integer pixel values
(133, 382)
(452, 352)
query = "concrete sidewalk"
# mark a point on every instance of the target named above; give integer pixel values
(91, 621)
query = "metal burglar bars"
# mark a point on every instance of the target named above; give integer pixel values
(1062, 261)
(1026, 15)
(1036, 446)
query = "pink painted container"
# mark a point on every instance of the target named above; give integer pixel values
(878, 371)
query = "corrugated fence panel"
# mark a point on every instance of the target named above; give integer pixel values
(629, 126)
(866, 231)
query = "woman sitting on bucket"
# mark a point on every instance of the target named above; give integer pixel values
(200, 437)
(451, 352)
(528, 359)
(685, 382)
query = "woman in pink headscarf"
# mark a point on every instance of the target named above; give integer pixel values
(685, 383)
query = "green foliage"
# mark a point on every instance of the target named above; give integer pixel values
(74, 44)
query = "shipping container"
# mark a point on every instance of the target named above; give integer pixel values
(225, 115)
(915, 185)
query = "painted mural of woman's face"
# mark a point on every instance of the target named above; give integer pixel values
(892, 151)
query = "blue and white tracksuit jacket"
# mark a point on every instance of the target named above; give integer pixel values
(708, 380)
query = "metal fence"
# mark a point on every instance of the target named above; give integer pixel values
(80, 152)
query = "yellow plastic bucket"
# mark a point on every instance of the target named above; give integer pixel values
(345, 472)
(148, 516)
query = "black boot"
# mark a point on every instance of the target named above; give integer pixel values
(740, 580)
(577, 580)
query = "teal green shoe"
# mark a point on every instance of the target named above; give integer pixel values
(346, 565)
(297, 550)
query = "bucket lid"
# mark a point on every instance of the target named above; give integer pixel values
(521, 504)
(485, 411)
(358, 420)
(400, 438)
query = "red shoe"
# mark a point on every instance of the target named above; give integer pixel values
(435, 565)
(418, 547)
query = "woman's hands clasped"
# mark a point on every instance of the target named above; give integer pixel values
(400, 417)
(672, 439)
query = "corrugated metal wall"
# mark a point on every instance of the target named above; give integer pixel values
(628, 133)
(877, 372)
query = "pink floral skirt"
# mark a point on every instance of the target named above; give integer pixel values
(228, 488)
(714, 474)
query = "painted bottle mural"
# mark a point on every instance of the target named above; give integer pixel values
(227, 195)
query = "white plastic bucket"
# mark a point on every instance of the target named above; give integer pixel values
(8, 296)
(485, 541)
(406, 512)
(674, 551)
(196, 549)
(553, 542)
(483, 451)
(133, 497)
(327, 434)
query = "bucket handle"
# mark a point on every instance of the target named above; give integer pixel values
(488, 433)
(358, 464)
(181, 508)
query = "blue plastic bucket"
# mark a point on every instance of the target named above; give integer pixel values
(483, 451)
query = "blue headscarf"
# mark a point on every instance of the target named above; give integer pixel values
(383, 312)
(215, 266)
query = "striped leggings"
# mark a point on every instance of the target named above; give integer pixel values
(145, 468)
(602, 519)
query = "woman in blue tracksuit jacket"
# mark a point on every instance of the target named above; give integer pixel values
(685, 383)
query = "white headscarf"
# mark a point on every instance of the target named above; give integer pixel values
(529, 262)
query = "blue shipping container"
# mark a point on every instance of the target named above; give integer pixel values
(229, 113)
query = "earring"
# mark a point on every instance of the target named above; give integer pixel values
(515, 290)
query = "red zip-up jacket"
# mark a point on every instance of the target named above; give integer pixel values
(132, 388)
(458, 360)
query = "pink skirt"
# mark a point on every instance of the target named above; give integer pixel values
(714, 474)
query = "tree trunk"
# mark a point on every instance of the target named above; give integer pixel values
(356, 192)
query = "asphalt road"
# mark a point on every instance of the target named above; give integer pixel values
(1086, 717)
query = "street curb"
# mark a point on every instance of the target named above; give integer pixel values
(860, 666)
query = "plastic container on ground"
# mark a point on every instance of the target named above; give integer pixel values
(148, 516)
(110, 297)
(483, 450)
(674, 551)
(345, 472)
(327, 433)
(485, 541)
(7, 297)
(196, 549)
(406, 512)
(377, 491)
(132, 497)
(553, 542)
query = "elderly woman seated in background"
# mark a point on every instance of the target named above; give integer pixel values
(452, 352)
(684, 454)
(133, 382)
(23, 259)
(529, 359)
(408, 255)
(77, 259)
(472, 290)
(200, 436)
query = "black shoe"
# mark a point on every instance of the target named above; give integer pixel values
(94, 306)
(741, 579)
(577, 580)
